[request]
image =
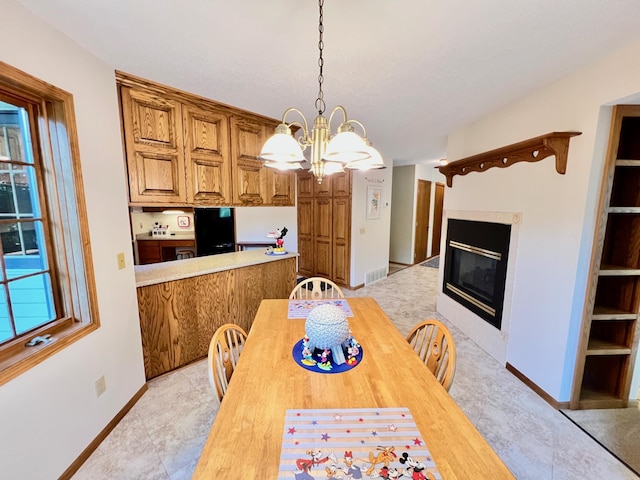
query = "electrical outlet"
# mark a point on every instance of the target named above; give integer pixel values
(141, 225)
(121, 264)
(101, 386)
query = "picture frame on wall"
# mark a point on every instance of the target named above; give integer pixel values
(184, 221)
(374, 202)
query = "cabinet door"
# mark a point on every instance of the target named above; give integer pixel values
(248, 173)
(154, 147)
(341, 218)
(322, 241)
(305, 236)
(305, 184)
(341, 184)
(280, 188)
(149, 252)
(206, 138)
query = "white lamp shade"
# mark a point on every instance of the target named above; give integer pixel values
(332, 167)
(281, 148)
(346, 147)
(283, 165)
(373, 162)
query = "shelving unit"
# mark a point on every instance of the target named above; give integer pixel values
(609, 340)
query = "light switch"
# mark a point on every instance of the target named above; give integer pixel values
(362, 231)
(121, 263)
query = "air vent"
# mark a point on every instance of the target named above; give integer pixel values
(374, 275)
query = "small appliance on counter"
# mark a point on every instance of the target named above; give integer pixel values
(160, 230)
(215, 230)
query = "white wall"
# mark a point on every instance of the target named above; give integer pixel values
(369, 238)
(253, 223)
(558, 211)
(51, 413)
(402, 214)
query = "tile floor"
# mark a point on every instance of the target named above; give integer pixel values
(162, 436)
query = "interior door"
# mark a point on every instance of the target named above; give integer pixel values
(436, 229)
(422, 221)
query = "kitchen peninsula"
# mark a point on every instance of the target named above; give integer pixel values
(183, 302)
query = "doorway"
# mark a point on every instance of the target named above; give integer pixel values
(423, 208)
(436, 230)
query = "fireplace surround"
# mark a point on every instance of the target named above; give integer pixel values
(475, 266)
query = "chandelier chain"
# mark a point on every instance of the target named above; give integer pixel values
(320, 105)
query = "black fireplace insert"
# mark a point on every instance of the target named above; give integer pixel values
(475, 266)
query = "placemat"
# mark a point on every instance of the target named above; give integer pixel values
(301, 308)
(354, 444)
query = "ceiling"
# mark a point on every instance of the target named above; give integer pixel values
(410, 70)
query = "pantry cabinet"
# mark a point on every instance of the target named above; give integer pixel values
(186, 150)
(324, 226)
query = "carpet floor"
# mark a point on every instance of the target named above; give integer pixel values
(432, 262)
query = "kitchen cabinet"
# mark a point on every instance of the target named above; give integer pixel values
(179, 317)
(186, 150)
(156, 251)
(324, 226)
(609, 339)
(153, 146)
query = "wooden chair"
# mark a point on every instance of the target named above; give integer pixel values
(316, 288)
(434, 344)
(224, 353)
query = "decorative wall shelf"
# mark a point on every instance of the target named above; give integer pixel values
(532, 150)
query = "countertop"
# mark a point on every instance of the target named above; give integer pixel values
(172, 236)
(192, 267)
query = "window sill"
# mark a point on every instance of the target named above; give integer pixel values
(16, 358)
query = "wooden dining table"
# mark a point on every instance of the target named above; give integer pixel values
(246, 437)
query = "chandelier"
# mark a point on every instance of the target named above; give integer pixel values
(328, 153)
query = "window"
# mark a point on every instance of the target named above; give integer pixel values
(47, 293)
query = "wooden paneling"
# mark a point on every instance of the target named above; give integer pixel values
(324, 226)
(188, 150)
(305, 184)
(341, 223)
(154, 147)
(247, 171)
(341, 184)
(178, 318)
(206, 135)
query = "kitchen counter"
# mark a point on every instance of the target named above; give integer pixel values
(172, 236)
(193, 267)
(182, 303)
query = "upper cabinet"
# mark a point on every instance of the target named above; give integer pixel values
(153, 145)
(206, 144)
(186, 150)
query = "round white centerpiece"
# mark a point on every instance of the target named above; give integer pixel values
(327, 328)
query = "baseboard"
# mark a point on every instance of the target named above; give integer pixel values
(544, 395)
(403, 264)
(78, 462)
(357, 287)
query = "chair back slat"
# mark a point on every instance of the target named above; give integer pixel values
(316, 288)
(434, 344)
(224, 352)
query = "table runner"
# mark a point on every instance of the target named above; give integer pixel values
(301, 308)
(354, 444)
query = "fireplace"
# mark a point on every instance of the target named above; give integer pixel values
(475, 266)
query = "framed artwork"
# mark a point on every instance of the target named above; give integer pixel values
(184, 221)
(374, 201)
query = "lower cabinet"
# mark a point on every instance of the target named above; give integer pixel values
(156, 251)
(178, 318)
